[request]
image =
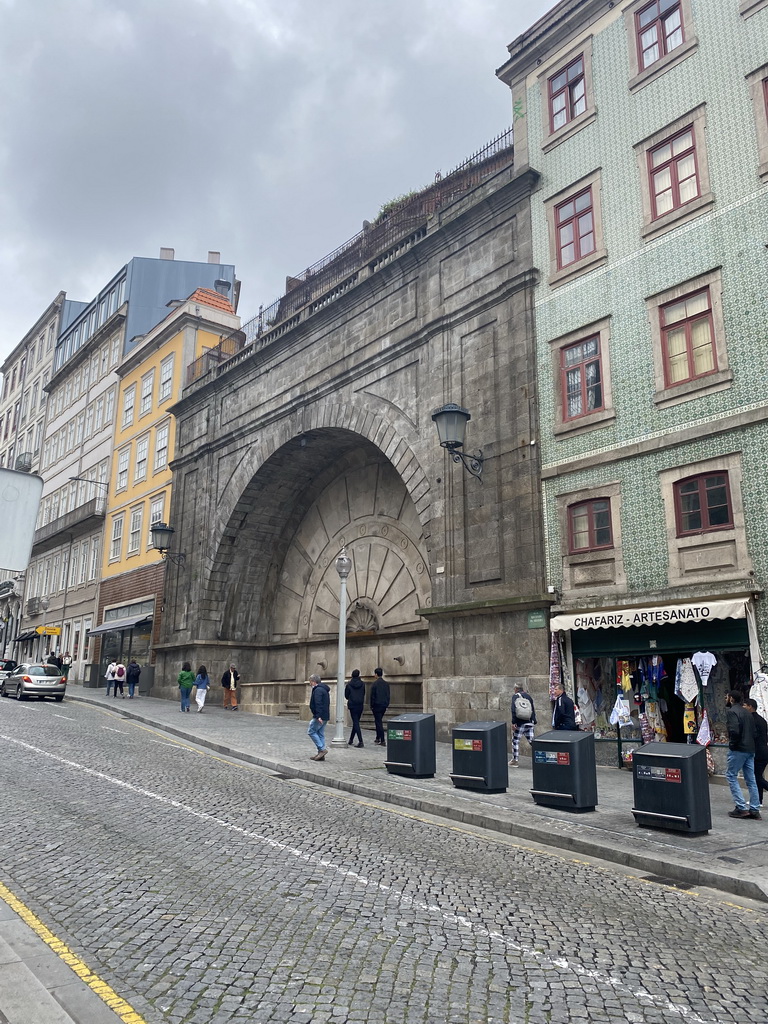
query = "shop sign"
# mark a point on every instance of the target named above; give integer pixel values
(537, 619)
(460, 743)
(658, 615)
(48, 630)
(551, 757)
(400, 734)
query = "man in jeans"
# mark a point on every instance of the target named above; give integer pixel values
(741, 756)
(320, 706)
(523, 721)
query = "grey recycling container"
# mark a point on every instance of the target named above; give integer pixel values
(564, 772)
(411, 746)
(671, 787)
(480, 756)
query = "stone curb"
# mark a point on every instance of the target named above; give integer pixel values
(674, 869)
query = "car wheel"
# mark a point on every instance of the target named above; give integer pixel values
(2, 690)
(59, 698)
(19, 692)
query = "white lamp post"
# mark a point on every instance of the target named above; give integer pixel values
(343, 568)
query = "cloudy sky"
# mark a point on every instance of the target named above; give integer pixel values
(266, 129)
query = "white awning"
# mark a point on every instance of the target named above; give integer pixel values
(655, 615)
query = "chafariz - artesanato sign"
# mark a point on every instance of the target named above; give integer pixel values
(653, 617)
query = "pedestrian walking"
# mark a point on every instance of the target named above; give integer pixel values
(66, 664)
(229, 681)
(132, 673)
(523, 721)
(202, 682)
(54, 659)
(119, 679)
(186, 681)
(379, 700)
(320, 707)
(741, 756)
(564, 711)
(109, 675)
(354, 693)
(761, 746)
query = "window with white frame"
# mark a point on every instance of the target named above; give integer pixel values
(147, 386)
(129, 402)
(94, 560)
(109, 408)
(156, 507)
(116, 542)
(64, 569)
(84, 561)
(134, 534)
(115, 352)
(74, 566)
(161, 446)
(123, 460)
(166, 378)
(55, 571)
(142, 457)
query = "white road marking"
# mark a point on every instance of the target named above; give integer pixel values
(67, 718)
(562, 963)
(111, 730)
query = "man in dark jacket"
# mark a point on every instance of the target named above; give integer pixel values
(354, 692)
(523, 721)
(132, 673)
(379, 703)
(229, 681)
(761, 746)
(564, 713)
(320, 706)
(741, 756)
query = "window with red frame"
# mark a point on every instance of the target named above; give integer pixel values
(673, 173)
(575, 228)
(582, 378)
(688, 338)
(567, 94)
(589, 525)
(703, 503)
(659, 30)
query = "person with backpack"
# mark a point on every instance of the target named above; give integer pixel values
(110, 675)
(523, 721)
(119, 679)
(132, 673)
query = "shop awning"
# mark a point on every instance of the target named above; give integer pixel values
(118, 625)
(655, 615)
(28, 634)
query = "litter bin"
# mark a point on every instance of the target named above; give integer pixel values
(672, 787)
(411, 746)
(480, 756)
(564, 772)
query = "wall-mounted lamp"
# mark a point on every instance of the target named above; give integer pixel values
(451, 422)
(161, 541)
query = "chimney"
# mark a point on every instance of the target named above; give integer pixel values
(167, 254)
(214, 257)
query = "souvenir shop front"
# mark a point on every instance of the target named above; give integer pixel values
(657, 673)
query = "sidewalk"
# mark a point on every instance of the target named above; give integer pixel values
(36, 986)
(732, 857)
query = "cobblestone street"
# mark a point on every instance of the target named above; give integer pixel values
(206, 891)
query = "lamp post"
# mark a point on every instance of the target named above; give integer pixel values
(343, 568)
(45, 604)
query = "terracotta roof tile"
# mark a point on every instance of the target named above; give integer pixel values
(206, 296)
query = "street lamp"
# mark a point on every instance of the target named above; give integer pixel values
(451, 422)
(161, 541)
(343, 568)
(45, 604)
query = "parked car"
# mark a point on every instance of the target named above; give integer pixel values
(34, 681)
(7, 665)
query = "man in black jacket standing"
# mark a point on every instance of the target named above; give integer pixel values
(761, 746)
(741, 756)
(379, 701)
(320, 706)
(564, 713)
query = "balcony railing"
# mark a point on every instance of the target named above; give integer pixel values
(78, 520)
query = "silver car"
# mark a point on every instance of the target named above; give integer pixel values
(34, 681)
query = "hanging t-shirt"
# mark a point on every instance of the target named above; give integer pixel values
(704, 662)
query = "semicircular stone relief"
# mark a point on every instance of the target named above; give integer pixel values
(368, 510)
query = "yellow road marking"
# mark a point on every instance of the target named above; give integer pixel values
(123, 1009)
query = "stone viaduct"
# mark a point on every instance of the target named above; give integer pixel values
(318, 434)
